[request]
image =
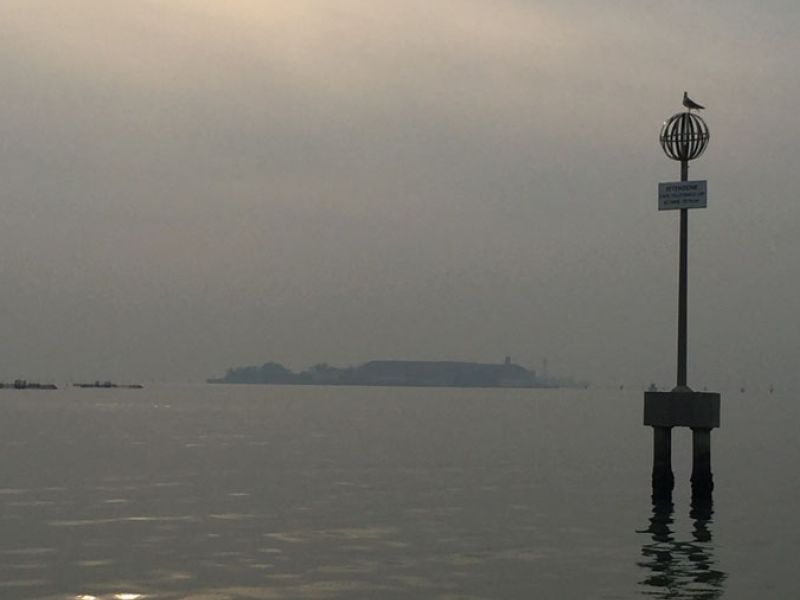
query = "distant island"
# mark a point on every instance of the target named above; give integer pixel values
(396, 373)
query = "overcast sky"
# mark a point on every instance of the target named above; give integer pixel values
(188, 185)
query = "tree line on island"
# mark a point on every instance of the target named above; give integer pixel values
(397, 373)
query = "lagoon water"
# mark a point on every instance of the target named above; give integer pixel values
(270, 492)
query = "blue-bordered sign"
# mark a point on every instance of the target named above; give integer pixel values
(674, 195)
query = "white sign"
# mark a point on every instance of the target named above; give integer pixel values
(682, 194)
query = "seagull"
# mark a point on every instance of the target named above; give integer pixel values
(690, 104)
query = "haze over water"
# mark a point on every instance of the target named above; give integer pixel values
(192, 185)
(269, 492)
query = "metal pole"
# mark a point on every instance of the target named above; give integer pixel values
(682, 284)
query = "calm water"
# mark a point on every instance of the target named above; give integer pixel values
(264, 493)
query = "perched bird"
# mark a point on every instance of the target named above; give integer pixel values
(690, 104)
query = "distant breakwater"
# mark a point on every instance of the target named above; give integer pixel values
(22, 384)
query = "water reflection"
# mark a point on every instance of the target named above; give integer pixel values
(681, 569)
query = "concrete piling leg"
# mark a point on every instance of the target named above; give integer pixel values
(702, 479)
(663, 479)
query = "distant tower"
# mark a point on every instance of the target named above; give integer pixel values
(544, 368)
(508, 361)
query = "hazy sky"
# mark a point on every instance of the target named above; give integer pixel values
(188, 185)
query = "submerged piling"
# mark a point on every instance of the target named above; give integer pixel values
(663, 478)
(702, 478)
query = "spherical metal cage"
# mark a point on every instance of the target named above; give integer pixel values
(684, 136)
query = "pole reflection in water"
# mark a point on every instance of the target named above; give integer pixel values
(681, 569)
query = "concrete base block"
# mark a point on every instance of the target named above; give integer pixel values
(682, 409)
